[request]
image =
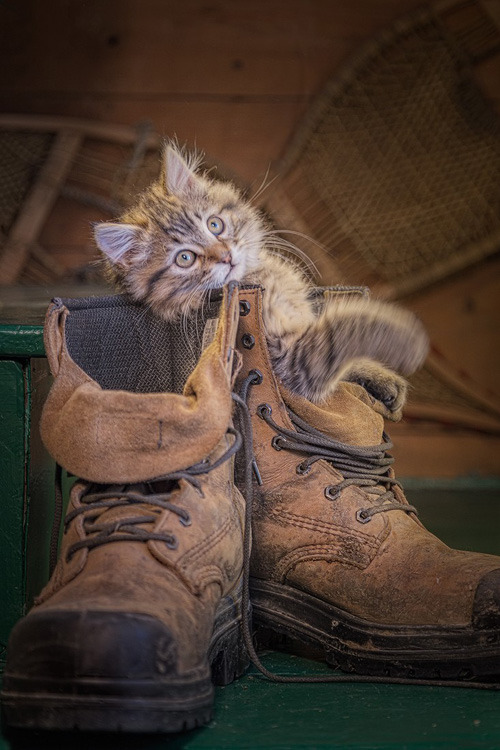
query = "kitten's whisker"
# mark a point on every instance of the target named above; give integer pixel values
(201, 316)
(335, 240)
(299, 263)
(187, 308)
(143, 310)
(264, 185)
(278, 241)
(201, 297)
(185, 332)
(261, 186)
(302, 235)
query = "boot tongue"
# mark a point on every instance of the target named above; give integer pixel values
(349, 415)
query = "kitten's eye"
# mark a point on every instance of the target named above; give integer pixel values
(185, 258)
(216, 225)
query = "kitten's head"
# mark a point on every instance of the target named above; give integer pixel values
(187, 234)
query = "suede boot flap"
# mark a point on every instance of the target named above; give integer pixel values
(116, 436)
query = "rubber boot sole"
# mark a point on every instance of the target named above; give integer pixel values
(356, 645)
(98, 705)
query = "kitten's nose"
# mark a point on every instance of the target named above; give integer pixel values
(220, 253)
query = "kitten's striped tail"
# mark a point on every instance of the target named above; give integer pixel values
(310, 361)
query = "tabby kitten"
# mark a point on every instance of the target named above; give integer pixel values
(188, 234)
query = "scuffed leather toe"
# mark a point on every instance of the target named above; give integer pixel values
(486, 611)
(62, 645)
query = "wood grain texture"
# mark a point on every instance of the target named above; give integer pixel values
(463, 315)
(439, 451)
(196, 47)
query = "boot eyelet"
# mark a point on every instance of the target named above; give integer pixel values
(303, 468)
(185, 520)
(244, 307)
(172, 543)
(264, 410)
(248, 341)
(276, 443)
(331, 492)
(363, 517)
(257, 377)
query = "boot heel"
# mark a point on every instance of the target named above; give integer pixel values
(230, 659)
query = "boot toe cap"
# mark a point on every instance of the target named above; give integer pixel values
(68, 645)
(486, 610)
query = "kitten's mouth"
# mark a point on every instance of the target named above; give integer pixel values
(218, 278)
(232, 273)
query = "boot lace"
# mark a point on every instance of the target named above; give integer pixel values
(146, 502)
(366, 467)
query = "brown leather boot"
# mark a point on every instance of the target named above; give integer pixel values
(143, 609)
(340, 559)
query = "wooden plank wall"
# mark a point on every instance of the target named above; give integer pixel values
(232, 76)
(235, 77)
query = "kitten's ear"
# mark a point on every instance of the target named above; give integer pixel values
(117, 241)
(180, 177)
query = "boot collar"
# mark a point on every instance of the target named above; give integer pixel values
(119, 436)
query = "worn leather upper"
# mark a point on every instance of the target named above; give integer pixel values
(388, 570)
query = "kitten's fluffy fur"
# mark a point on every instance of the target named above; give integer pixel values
(188, 234)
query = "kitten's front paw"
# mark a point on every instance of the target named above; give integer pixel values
(392, 392)
(385, 386)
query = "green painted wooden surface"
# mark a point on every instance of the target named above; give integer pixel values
(253, 713)
(466, 518)
(13, 441)
(26, 489)
(21, 341)
(40, 485)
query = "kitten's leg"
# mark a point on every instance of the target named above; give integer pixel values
(381, 383)
(313, 360)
